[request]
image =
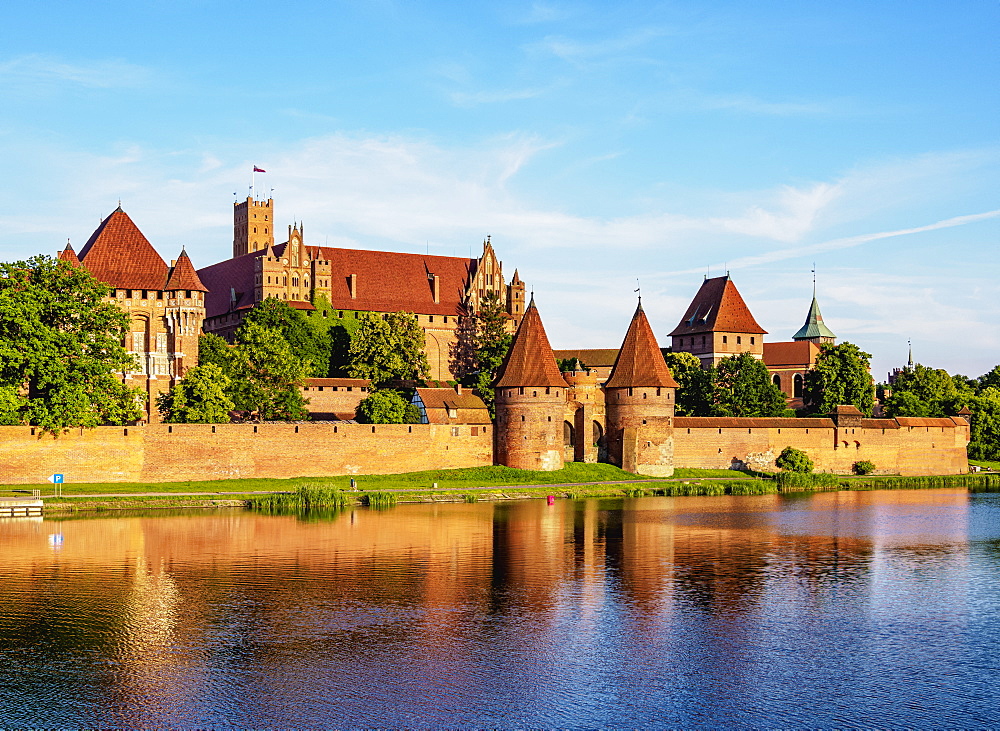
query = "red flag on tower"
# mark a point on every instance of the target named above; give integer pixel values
(259, 170)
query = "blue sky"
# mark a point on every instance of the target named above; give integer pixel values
(596, 143)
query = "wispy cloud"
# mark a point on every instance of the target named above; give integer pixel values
(471, 99)
(748, 104)
(584, 52)
(38, 69)
(850, 241)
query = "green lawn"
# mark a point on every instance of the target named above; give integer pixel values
(995, 466)
(449, 480)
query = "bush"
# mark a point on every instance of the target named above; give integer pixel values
(794, 460)
(864, 467)
(386, 406)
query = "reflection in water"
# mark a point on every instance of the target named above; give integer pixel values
(872, 608)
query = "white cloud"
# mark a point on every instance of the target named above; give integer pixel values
(42, 70)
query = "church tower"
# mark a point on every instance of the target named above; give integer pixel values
(530, 400)
(814, 329)
(639, 404)
(515, 298)
(253, 225)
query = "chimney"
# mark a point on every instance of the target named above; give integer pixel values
(173, 263)
(352, 284)
(458, 388)
(436, 288)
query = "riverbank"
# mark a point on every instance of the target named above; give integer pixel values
(575, 480)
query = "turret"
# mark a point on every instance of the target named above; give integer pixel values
(639, 404)
(530, 400)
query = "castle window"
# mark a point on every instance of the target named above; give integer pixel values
(430, 318)
(340, 314)
(265, 229)
(145, 294)
(187, 293)
(534, 393)
(751, 341)
(522, 417)
(657, 392)
(547, 390)
(725, 338)
(255, 228)
(644, 396)
(445, 319)
(630, 392)
(739, 340)
(128, 294)
(550, 418)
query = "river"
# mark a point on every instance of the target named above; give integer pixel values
(823, 610)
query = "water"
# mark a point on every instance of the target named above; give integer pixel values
(829, 610)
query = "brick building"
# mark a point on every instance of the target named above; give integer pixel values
(718, 324)
(165, 304)
(437, 289)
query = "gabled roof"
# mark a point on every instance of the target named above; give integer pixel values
(802, 353)
(590, 357)
(530, 361)
(69, 255)
(437, 401)
(718, 307)
(639, 361)
(118, 254)
(183, 276)
(814, 326)
(387, 281)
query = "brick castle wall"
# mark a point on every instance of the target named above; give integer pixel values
(162, 453)
(894, 447)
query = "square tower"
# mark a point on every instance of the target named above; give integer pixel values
(253, 225)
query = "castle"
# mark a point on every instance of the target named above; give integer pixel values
(621, 412)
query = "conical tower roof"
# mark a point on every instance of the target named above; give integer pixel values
(118, 254)
(530, 361)
(69, 255)
(640, 361)
(183, 275)
(814, 326)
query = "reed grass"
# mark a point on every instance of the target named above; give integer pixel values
(305, 497)
(379, 500)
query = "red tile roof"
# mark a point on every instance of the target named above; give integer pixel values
(183, 276)
(437, 401)
(387, 281)
(718, 307)
(796, 353)
(394, 282)
(530, 362)
(118, 254)
(69, 255)
(639, 361)
(590, 357)
(924, 421)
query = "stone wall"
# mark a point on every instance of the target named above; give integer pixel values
(162, 453)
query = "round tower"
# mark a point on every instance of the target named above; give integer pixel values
(639, 404)
(530, 401)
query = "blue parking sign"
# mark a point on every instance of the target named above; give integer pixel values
(56, 479)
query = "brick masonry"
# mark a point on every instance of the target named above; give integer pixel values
(163, 453)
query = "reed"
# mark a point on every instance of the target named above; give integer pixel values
(471, 498)
(306, 497)
(634, 492)
(751, 487)
(379, 499)
(806, 481)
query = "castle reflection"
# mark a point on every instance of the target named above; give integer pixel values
(159, 612)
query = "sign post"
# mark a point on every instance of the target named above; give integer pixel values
(57, 480)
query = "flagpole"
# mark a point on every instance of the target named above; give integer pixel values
(253, 185)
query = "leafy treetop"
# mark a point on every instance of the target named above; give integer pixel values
(841, 377)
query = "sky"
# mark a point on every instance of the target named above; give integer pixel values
(602, 147)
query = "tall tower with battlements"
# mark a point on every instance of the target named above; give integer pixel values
(253, 225)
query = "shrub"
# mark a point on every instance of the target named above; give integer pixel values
(864, 467)
(794, 460)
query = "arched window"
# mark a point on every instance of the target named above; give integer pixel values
(797, 385)
(568, 435)
(776, 380)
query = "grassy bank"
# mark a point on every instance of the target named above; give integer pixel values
(575, 480)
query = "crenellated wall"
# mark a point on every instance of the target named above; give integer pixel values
(163, 453)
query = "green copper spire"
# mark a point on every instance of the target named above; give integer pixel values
(814, 328)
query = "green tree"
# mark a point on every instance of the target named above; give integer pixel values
(932, 386)
(989, 380)
(743, 387)
(266, 375)
(387, 406)
(307, 339)
(841, 377)
(695, 385)
(388, 347)
(985, 438)
(199, 399)
(794, 460)
(62, 360)
(906, 403)
(462, 352)
(492, 343)
(214, 349)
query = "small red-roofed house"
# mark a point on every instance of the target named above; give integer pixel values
(718, 324)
